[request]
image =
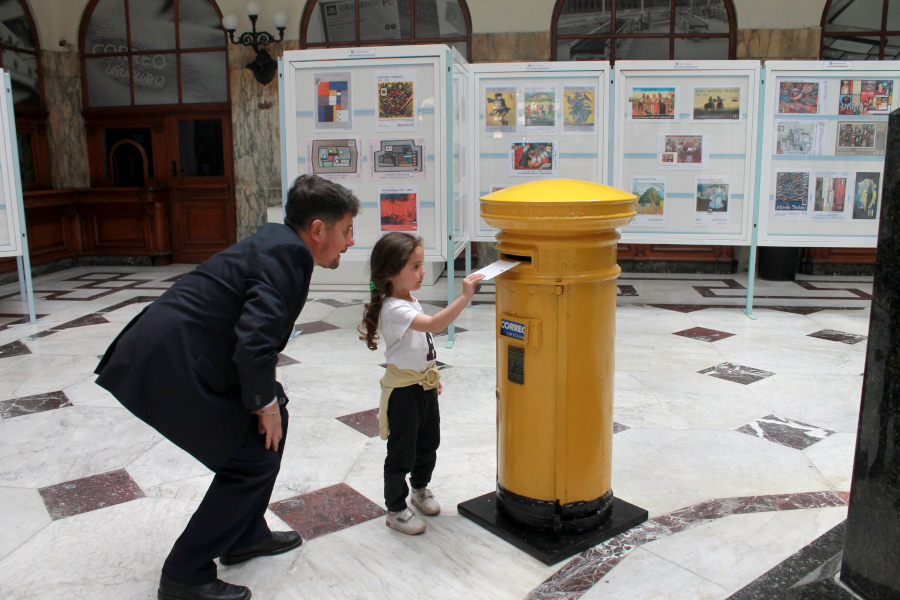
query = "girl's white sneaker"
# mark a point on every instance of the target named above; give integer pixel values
(424, 500)
(405, 521)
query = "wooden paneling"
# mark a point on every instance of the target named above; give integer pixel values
(96, 222)
(673, 253)
(856, 256)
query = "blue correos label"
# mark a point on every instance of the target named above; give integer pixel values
(512, 329)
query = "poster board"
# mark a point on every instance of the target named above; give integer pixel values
(684, 142)
(10, 187)
(463, 157)
(379, 121)
(536, 120)
(823, 143)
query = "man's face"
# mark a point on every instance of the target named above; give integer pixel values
(335, 241)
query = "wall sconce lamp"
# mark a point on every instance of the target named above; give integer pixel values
(264, 66)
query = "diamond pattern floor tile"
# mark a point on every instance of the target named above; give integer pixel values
(703, 334)
(90, 493)
(327, 510)
(365, 422)
(736, 373)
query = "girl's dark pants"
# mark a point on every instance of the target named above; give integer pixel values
(415, 434)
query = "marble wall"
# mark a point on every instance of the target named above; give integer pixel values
(67, 137)
(761, 44)
(255, 135)
(510, 47)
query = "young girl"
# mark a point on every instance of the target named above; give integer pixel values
(408, 415)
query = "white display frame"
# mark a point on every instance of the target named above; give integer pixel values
(463, 159)
(847, 233)
(686, 75)
(300, 64)
(11, 200)
(559, 74)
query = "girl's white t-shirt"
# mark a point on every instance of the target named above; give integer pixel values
(405, 347)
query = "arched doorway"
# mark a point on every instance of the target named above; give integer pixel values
(154, 73)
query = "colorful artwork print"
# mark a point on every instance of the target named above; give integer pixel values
(853, 135)
(532, 158)
(578, 110)
(399, 209)
(860, 138)
(332, 100)
(791, 191)
(651, 201)
(712, 197)
(651, 197)
(500, 110)
(865, 201)
(335, 156)
(653, 103)
(717, 104)
(865, 96)
(540, 108)
(830, 194)
(685, 148)
(398, 156)
(799, 137)
(798, 97)
(396, 100)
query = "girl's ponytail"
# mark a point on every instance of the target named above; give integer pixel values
(369, 328)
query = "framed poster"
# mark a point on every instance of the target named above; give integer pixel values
(824, 138)
(695, 155)
(537, 120)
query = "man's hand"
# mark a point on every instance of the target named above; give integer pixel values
(270, 425)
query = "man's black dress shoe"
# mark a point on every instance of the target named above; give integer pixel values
(280, 541)
(217, 590)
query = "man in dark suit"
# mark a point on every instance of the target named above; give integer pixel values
(198, 365)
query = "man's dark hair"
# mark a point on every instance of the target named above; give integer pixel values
(312, 197)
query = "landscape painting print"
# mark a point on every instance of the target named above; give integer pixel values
(332, 99)
(651, 201)
(716, 104)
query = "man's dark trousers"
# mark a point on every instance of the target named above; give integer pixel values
(232, 514)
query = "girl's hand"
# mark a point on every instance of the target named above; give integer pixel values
(469, 285)
(440, 388)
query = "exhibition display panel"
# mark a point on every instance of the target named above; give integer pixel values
(382, 121)
(13, 233)
(537, 120)
(685, 135)
(10, 189)
(823, 141)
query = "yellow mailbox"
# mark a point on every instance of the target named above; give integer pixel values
(555, 346)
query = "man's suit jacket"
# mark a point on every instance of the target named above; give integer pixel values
(201, 358)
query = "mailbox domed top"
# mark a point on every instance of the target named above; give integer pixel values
(558, 206)
(559, 190)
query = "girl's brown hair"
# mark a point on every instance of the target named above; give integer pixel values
(389, 256)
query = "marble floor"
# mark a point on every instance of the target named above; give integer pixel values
(737, 436)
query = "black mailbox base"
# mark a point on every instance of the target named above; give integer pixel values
(546, 547)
